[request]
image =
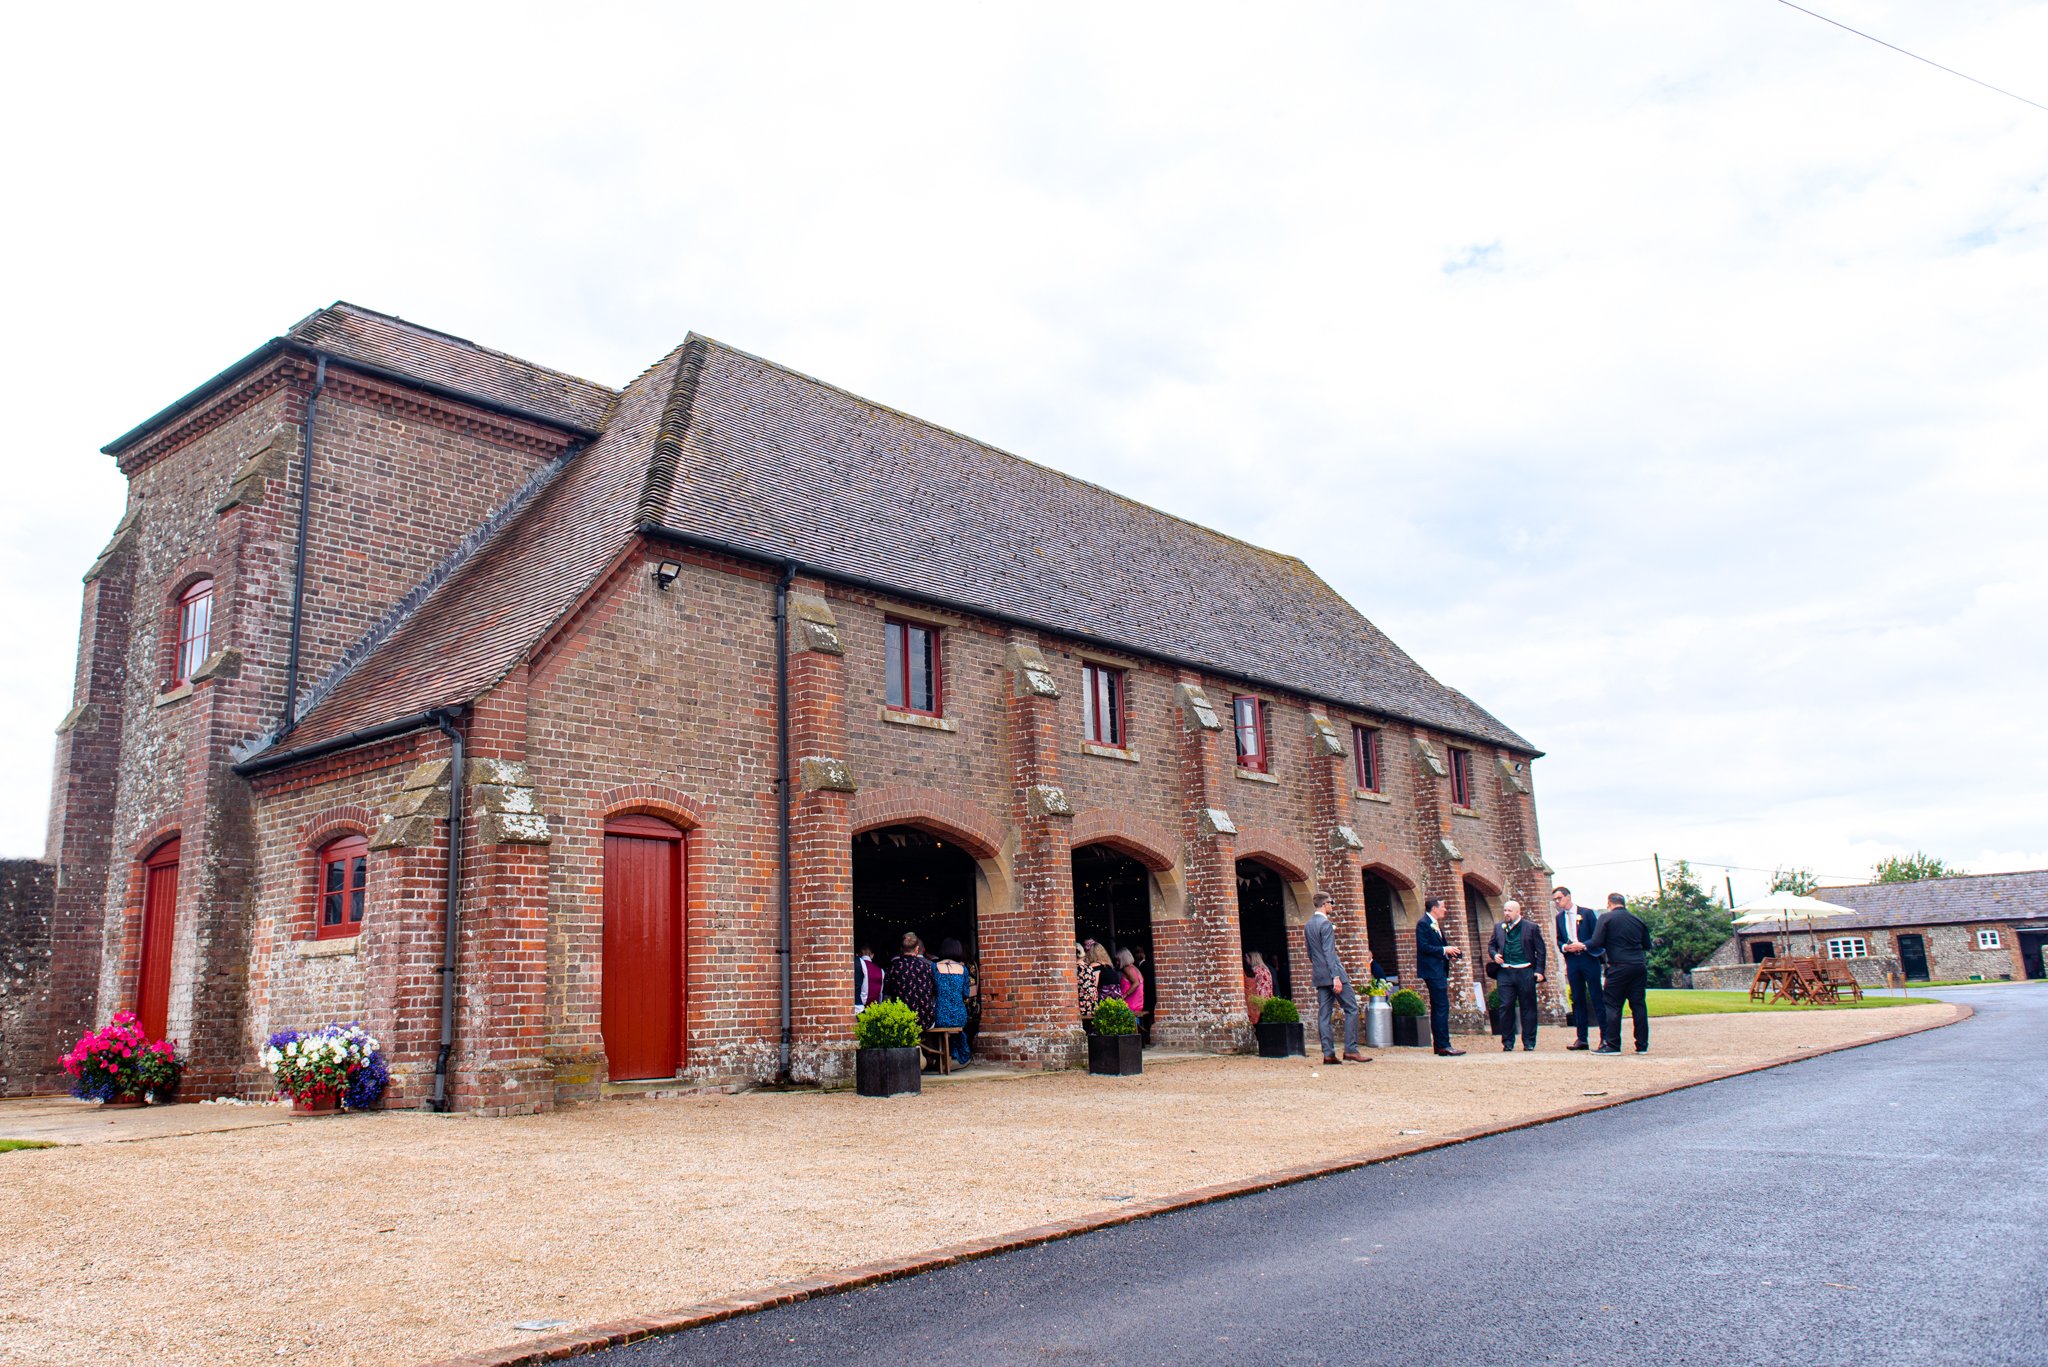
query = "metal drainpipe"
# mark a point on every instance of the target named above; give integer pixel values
(449, 939)
(291, 665)
(782, 796)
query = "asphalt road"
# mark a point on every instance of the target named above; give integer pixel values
(1883, 1205)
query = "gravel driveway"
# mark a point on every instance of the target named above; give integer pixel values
(398, 1237)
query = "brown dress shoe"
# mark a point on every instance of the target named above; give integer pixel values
(1330, 1059)
(1353, 1056)
(1580, 1045)
(1450, 1053)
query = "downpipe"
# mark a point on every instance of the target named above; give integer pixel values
(451, 936)
(782, 798)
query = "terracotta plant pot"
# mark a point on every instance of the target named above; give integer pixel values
(316, 1103)
(128, 1102)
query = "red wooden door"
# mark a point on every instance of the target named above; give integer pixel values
(643, 947)
(159, 920)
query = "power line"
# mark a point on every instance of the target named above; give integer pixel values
(1914, 55)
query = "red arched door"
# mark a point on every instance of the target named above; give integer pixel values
(159, 921)
(643, 947)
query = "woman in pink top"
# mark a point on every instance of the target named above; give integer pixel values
(1134, 981)
(1258, 983)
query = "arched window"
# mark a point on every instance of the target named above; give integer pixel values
(195, 629)
(344, 877)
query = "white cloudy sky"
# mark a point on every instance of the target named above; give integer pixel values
(1668, 377)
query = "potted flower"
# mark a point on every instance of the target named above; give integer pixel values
(1115, 1049)
(327, 1069)
(1408, 1009)
(118, 1065)
(1279, 1028)
(887, 1060)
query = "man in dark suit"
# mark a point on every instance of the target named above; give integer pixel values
(1623, 943)
(1434, 956)
(1574, 926)
(1516, 950)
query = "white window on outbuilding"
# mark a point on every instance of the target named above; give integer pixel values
(1848, 947)
(1987, 939)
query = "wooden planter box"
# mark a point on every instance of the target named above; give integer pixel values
(1408, 1032)
(888, 1072)
(1116, 1055)
(1280, 1041)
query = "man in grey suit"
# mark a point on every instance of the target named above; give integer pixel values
(1333, 987)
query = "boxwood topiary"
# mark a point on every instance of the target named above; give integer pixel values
(1407, 1002)
(1279, 1011)
(1112, 1017)
(887, 1025)
(1492, 999)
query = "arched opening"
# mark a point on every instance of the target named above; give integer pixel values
(1262, 919)
(642, 1006)
(909, 880)
(1478, 926)
(159, 928)
(1113, 907)
(1382, 935)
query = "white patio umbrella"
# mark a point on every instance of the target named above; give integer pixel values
(1783, 908)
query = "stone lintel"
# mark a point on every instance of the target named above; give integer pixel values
(823, 774)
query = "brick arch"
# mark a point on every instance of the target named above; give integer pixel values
(183, 576)
(315, 834)
(653, 799)
(973, 827)
(1145, 841)
(347, 819)
(1287, 856)
(1485, 875)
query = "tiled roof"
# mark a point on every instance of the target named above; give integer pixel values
(484, 617)
(356, 333)
(1941, 901)
(719, 444)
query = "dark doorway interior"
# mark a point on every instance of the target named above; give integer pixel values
(1913, 957)
(1479, 926)
(1759, 950)
(1113, 907)
(2033, 943)
(905, 879)
(1380, 933)
(1262, 920)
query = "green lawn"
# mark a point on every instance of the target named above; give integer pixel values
(1679, 1001)
(10, 1145)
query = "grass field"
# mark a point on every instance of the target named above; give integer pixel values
(10, 1145)
(1680, 1001)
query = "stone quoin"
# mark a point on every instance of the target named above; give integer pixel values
(659, 662)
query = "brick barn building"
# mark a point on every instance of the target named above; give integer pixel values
(395, 623)
(1992, 926)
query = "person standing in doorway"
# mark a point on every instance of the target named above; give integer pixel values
(867, 980)
(1581, 966)
(1516, 949)
(1333, 988)
(1623, 942)
(952, 987)
(1434, 956)
(910, 980)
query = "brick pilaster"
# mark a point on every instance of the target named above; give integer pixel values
(820, 843)
(1200, 955)
(1429, 773)
(1027, 975)
(1339, 870)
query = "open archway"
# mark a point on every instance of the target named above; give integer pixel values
(1479, 919)
(909, 880)
(1113, 907)
(1262, 920)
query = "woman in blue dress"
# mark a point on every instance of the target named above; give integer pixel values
(953, 988)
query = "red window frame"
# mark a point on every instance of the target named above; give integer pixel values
(195, 630)
(1461, 777)
(900, 639)
(1248, 716)
(1102, 705)
(342, 887)
(1365, 744)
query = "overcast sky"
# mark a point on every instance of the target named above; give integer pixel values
(1667, 377)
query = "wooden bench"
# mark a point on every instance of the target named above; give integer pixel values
(942, 1052)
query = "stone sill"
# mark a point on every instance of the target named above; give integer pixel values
(1254, 776)
(929, 723)
(1365, 796)
(171, 695)
(336, 947)
(1089, 747)
(1469, 813)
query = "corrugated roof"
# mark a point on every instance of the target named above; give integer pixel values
(1940, 901)
(719, 444)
